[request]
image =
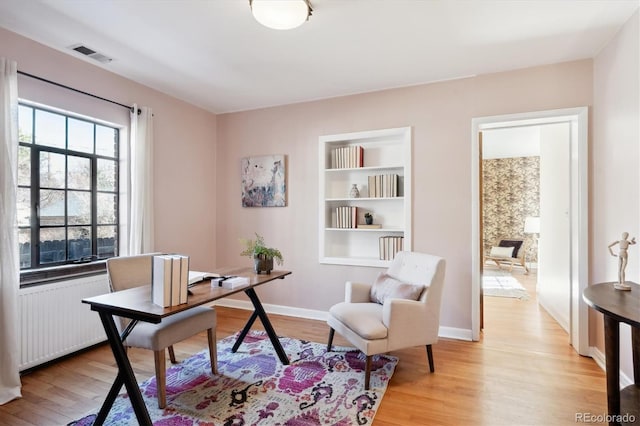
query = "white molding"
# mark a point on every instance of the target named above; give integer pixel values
(600, 359)
(289, 311)
(579, 335)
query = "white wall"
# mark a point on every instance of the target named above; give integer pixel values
(615, 202)
(554, 266)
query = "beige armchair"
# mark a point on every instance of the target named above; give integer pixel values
(409, 315)
(135, 271)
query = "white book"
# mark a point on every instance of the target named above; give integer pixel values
(235, 282)
(161, 281)
(184, 278)
(175, 280)
(197, 276)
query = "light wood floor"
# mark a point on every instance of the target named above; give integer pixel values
(522, 372)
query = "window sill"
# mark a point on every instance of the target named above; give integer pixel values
(33, 277)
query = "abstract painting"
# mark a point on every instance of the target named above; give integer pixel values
(263, 181)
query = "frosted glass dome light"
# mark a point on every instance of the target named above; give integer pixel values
(281, 14)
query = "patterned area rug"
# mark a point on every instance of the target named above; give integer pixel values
(501, 284)
(254, 388)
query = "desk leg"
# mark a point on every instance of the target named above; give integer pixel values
(260, 313)
(125, 375)
(612, 353)
(244, 332)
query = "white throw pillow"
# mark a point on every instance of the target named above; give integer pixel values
(386, 287)
(501, 252)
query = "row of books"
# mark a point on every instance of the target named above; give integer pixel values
(383, 186)
(389, 246)
(346, 217)
(170, 279)
(347, 157)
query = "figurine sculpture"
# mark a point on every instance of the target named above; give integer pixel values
(622, 255)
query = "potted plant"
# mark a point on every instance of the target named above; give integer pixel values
(262, 255)
(368, 218)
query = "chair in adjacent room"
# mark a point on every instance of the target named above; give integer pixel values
(400, 309)
(509, 252)
(135, 271)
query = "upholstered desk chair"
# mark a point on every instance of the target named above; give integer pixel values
(400, 309)
(135, 271)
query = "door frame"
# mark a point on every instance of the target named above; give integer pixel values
(578, 117)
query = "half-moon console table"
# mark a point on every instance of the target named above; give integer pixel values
(619, 306)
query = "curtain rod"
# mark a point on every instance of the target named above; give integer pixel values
(130, 108)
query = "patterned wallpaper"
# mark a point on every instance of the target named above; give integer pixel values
(511, 192)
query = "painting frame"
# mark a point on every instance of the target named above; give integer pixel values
(264, 180)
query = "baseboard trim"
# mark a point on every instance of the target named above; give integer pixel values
(444, 332)
(601, 360)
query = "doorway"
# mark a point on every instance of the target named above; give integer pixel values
(576, 215)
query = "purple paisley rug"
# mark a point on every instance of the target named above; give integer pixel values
(252, 387)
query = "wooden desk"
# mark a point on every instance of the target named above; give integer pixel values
(619, 306)
(135, 303)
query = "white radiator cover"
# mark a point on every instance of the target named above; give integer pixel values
(54, 322)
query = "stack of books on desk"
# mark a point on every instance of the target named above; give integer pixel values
(170, 278)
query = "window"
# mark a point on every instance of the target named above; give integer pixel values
(67, 188)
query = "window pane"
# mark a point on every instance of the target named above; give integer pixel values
(25, 123)
(24, 240)
(79, 208)
(79, 242)
(52, 245)
(105, 141)
(24, 165)
(80, 136)
(106, 175)
(78, 173)
(52, 204)
(50, 129)
(106, 209)
(24, 206)
(51, 170)
(107, 241)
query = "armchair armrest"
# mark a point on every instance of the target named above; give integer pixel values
(409, 323)
(357, 292)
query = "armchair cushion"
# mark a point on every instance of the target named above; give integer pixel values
(501, 252)
(365, 319)
(386, 287)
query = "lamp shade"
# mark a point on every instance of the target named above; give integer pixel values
(532, 225)
(280, 14)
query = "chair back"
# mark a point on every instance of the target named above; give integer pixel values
(129, 271)
(428, 270)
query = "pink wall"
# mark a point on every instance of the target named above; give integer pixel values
(440, 115)
(185, 140)
(615, 178)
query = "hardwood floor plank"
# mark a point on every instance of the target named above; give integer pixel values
(522, 372)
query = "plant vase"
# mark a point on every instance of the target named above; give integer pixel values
(262, 263)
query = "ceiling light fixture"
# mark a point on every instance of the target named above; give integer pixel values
(281, 14)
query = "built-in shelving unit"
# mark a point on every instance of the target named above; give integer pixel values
(386, 153)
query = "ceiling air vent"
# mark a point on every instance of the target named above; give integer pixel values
(91, 53)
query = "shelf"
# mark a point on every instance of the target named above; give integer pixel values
(364, 169)
(384, 153)
(387, 230)
(328, 200)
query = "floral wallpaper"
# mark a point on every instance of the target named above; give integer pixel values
(511, 192)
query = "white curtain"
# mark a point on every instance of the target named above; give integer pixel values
(141, 174)
(9, 259)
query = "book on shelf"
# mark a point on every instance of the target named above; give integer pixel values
(347, 157)
(389, 246)
(372, 226)
(197, 276)
(383, 185)
(346, 217)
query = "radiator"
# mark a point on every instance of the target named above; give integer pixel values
(54, 321)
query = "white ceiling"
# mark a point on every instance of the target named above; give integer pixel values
(213, 54)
